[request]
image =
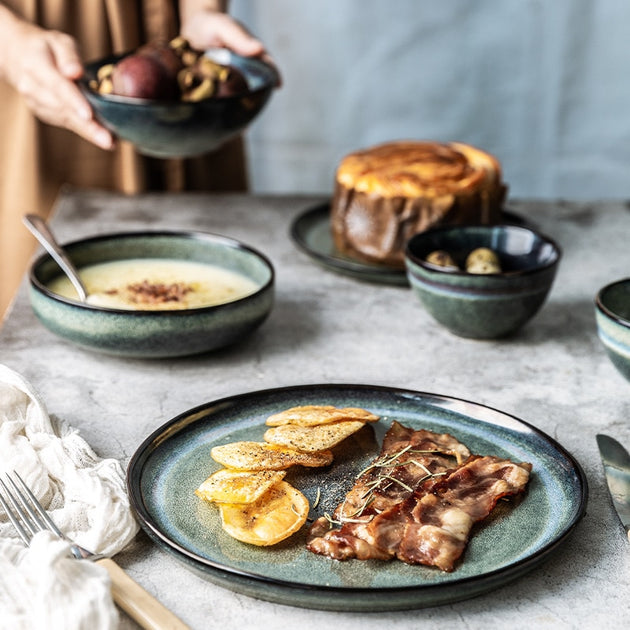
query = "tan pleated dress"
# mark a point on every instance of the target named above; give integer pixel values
(37, 159)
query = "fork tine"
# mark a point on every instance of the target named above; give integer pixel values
(28, 514)
(35, 523)
(16, 522)
(40, 515)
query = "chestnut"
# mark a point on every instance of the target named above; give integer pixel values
(165, 55)
(142, 76)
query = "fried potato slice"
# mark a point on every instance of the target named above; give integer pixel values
(312, 415)
(263, 456)
(238, 486)
(277, 514)
(312, 439)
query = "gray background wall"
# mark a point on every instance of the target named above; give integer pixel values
(542, 84)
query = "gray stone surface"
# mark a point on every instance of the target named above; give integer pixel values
(326, 327)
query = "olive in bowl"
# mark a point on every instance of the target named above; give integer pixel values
(155, 294)
(168, 109)
(483, 301)
(612, 315)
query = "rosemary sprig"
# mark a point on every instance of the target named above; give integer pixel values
(331, 521)
(399, 482)
(359, 511)
(384, 480)
(317, 498)
(390, 460)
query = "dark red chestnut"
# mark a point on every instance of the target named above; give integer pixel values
(164, 54)
(142, 76)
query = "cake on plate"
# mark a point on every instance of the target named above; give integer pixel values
(387, 193)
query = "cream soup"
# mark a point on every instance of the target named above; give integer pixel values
(156, 284)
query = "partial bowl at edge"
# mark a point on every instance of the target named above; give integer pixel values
(612, 316)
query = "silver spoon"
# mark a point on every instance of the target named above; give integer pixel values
(42, 233)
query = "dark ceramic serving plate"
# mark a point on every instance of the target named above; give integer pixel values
(310, 231)
(171, 463)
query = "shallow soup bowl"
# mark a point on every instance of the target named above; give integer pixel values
(483, 305)
(139, 330)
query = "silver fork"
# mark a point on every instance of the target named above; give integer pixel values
(29, 517)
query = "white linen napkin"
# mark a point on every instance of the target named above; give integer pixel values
(41, 586)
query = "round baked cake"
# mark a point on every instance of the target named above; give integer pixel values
(385, 194)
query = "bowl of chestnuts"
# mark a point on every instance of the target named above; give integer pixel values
(482, 281)
(170, 100)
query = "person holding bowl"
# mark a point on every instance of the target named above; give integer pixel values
(49, 131)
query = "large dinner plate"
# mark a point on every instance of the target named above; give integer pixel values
(172, 462)
(310, 232)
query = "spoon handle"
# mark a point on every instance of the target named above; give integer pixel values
(42, 233)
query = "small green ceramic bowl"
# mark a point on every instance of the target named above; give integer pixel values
(612, 315)
(155, 333)
(483, 306)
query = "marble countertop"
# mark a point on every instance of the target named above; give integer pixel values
(330, 328)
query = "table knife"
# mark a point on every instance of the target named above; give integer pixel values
(616, 462)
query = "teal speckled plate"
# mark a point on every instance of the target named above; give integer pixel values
(175, 459)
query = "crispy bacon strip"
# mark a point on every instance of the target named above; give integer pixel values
(430, 525)
(434, 528)
(408, 460)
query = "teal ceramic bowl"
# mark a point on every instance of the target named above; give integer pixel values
(183, 129)
(612, 315)
(483, 306)
(155, 333)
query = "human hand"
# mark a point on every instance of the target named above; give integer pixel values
(43, 68)
(204, 24)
